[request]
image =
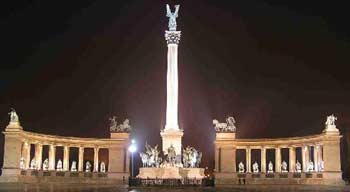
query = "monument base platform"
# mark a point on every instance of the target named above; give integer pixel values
(291, 178)
(170, 173)
(39, 176)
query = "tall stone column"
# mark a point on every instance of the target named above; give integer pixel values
(173, 39)
(248, 159)
(305, 157)
(292, 159)
(172, 135)
(96, 150)
(38, 155)
(81, 159)
(66, 158)
(263, 159)
(278, 159)
(52, 157)
(26, 154)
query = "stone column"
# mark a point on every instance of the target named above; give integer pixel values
(173, 39)
(96, 150)
(263, 159)
(292, 159)
(278, 159)
(248, 159)
(66, 158)
(320, 154)
(81, 159)
(316, 160)
(305, 157)
(52, 157)
(38, 155)
(26, 154)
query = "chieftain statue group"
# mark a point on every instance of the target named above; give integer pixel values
(191, 157)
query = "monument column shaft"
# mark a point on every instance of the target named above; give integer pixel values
(172, 135)
(263, 160)
(278, 159)
(305, 157)
(316, 160)
(26, 154)
(172, 88)
(96, 159)
(248, 160)
(81, 159)
(52, 155)
(66, 158)
(292, 159)
(38, 155)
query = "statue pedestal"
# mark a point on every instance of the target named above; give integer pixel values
(331, 129)
(170, 173)
(172, 137)
(14, 126)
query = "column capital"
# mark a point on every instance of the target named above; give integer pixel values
(172, 37)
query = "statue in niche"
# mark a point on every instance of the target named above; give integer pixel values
(172, 17)
(88, 166)
(46, 165)
(241, 167)
(310, 166)
(284, 167)
(255, 167)
(33, 164)
(270, 168)
(321, 165)
(59, 166)
(124, 127)
(74, 166)
(22, 163)
(298, 167)
(229, 126)
(13, 116)
(102, 167)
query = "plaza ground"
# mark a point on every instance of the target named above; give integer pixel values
(14, 187)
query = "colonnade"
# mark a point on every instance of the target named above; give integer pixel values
(18, 144)
(292, 159)
(323, 150)
(26, 148)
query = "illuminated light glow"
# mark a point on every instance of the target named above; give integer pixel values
(172, 89)
(132, 148)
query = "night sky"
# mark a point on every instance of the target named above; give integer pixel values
(279, 67)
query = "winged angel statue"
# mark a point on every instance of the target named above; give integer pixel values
(172, 17)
